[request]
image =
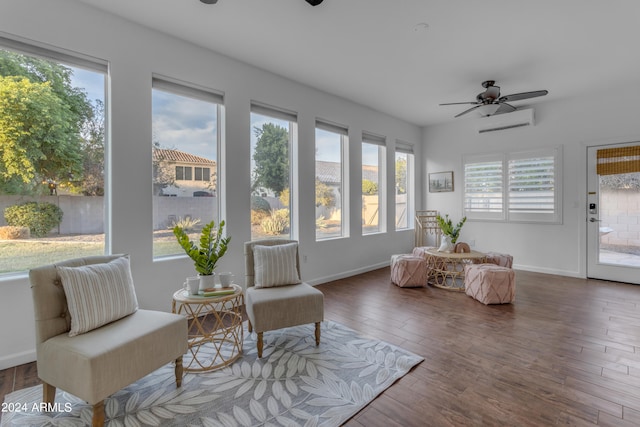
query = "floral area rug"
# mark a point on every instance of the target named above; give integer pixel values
(295, 383)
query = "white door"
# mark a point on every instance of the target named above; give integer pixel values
(613, 212)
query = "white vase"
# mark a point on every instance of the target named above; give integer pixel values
(207, 281)
(446, 245)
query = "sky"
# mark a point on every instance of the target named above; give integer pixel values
(190, 125)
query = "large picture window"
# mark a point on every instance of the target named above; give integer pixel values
(331, 181)
(52, 161)
(519, 186)
(273, 135)
(373, 184)
(186, 139)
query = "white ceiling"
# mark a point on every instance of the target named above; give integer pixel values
(368, 51)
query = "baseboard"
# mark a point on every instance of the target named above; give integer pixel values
(16, 359)
(349, 273)
(554, 271)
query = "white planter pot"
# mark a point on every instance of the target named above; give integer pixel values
(207, 281)
(446, 245)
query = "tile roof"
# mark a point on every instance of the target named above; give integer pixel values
(164, 154)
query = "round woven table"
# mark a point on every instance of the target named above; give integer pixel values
(446, 269)
(215, 328)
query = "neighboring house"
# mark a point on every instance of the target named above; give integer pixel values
(177, 173)
(330, 174)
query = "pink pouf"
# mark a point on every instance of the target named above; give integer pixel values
(421, 251)
(503, 260)
(490, 283)
(408, 271)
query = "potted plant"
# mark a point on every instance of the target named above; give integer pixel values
(450, 233)
(212, 247)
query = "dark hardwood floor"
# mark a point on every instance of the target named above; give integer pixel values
(565, 353)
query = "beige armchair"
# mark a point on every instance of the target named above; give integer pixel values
(95, 364)
(283, 304)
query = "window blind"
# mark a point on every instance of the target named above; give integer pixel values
(55, 54)
(190, 90)
(275, 112)
(404, 147)
(370, 138)
(611, 161)
(332, 127)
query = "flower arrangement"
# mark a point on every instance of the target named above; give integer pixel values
(447, 227)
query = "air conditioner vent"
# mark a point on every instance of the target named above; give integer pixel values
(519, 118)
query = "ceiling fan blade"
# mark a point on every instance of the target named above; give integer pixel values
(505, 108)
(468, 111)
(523, 95)
(459, 103)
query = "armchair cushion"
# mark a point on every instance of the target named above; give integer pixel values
(98, 294)
(275, 265)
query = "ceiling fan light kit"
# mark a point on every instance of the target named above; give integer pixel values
(489, 102)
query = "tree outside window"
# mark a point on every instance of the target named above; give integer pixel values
(52, 131)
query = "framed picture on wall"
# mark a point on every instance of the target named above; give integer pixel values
(440, 182)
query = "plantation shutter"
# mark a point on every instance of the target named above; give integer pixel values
(532, 189)
(483, 187)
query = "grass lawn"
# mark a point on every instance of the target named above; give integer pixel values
(22, 255)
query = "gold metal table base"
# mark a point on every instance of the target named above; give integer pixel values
(215, 329)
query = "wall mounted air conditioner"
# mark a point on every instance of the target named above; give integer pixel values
(516, 119)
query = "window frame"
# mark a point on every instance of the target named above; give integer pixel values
(508, 213)
(381, 143)
(85, 62)
(216, 98)
(291, 117)
(406, 148)
(343, 132)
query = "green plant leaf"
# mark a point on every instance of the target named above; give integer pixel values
(212, 246)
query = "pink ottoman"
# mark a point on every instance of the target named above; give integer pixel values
(490, 283)
(408, 271)
(421, 251)
(503, 260)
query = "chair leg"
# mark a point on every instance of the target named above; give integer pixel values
(317, 333)
(259, 344)
(249, 326)
(98, 414)
(178, 370)
(48, 393)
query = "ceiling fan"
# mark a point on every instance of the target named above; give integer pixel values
(489, 102)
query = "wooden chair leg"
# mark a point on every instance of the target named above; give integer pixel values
(179, 370)
(98, 414)
(249, 326)
(317, 333)
(259, 344)
(48, 393)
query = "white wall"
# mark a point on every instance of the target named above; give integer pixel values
(598, 118)
(134, 53)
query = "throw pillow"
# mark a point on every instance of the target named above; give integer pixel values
(98, 294)
(275, 265)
